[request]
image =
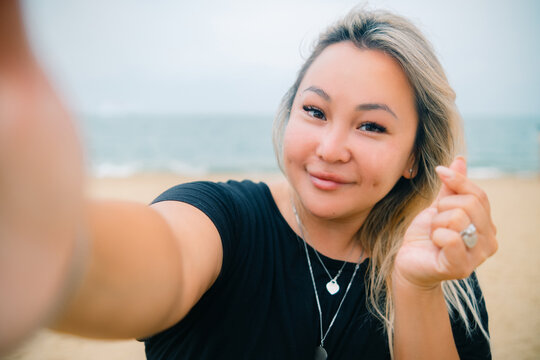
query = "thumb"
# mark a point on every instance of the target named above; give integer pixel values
(459, 165)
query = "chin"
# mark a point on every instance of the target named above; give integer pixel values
(326, 213)
(330, 207)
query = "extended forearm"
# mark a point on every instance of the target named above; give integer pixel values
(133, 274)
(40, 188)
(422, 327)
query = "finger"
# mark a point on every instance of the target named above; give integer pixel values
(459, 165)
(457, 183)
(454, 258)
(474, 208)
(448, 239)
(477, 214)
(454, 219)
(420, 227)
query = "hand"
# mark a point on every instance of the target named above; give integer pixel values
(41, 175)
(433, 249)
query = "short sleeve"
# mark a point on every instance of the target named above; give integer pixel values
(473, 345)
(218, 202)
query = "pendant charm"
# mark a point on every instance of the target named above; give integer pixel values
(332, 287)
(320, 353)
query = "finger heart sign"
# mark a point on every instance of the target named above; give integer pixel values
(440, 244)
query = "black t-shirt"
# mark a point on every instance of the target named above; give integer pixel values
(262, 305)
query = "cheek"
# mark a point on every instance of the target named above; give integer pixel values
(295, 146)
(290, 150)
(385, 166)
(287, 146)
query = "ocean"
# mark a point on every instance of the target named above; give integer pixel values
(124, 145)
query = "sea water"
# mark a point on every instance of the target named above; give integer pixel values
(498, 145)
(123, 145)
(126, 144)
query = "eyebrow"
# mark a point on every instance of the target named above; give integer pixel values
(319, 92)
(361, 107)
(375, 106)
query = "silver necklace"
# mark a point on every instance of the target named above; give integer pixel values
(320, 351)
(332, 286)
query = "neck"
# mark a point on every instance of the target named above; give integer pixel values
(335, 238)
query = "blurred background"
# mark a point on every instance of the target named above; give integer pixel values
(168, 91)
(191, 87)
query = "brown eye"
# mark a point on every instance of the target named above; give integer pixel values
(372, 127)
(314, 112)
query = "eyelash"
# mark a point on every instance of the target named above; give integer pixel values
(374, 127)
(369, 126)
(310, 110)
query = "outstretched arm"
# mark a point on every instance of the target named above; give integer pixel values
(144, 270)
(40, 187)
(94, 268)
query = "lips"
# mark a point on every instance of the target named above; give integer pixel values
(328, 181)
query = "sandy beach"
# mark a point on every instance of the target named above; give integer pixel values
(509, 279)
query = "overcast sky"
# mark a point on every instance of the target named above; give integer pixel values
(110, 56)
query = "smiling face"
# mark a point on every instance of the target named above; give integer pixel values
(350, 133)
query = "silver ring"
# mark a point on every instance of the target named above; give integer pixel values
(469, 236)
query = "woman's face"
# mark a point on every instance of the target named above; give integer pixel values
(350, 133)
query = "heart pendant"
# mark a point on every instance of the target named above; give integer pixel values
(332, 287)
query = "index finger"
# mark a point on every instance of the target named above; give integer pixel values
(461, 184)
(459, 165)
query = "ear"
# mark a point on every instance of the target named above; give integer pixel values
(411, 169)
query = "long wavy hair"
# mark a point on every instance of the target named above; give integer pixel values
(439, 137)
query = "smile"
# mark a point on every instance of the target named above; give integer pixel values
(328, 182)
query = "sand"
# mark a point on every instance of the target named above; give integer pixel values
(509, 280)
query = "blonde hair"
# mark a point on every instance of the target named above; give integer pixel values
(439, 138)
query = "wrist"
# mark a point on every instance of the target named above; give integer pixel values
(401, 283)
(422, 328)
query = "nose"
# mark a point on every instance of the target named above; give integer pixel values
(333, 145)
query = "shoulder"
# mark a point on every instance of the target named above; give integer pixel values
(206, 219)
(228, 205)
(216, 191)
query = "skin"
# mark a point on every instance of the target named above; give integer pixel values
(40, 173)
(337, 168)
(342, 154)
(434, 251)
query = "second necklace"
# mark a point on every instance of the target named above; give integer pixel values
(320, 351)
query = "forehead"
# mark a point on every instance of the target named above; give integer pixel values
(348, 73)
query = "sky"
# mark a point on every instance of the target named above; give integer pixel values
(240, 56)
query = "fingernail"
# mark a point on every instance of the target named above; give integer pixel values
(445, 172)
(461, 157)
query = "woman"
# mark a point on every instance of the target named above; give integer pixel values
(350, 256)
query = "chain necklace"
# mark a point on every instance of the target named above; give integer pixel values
(320, 351)
(332, 286)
